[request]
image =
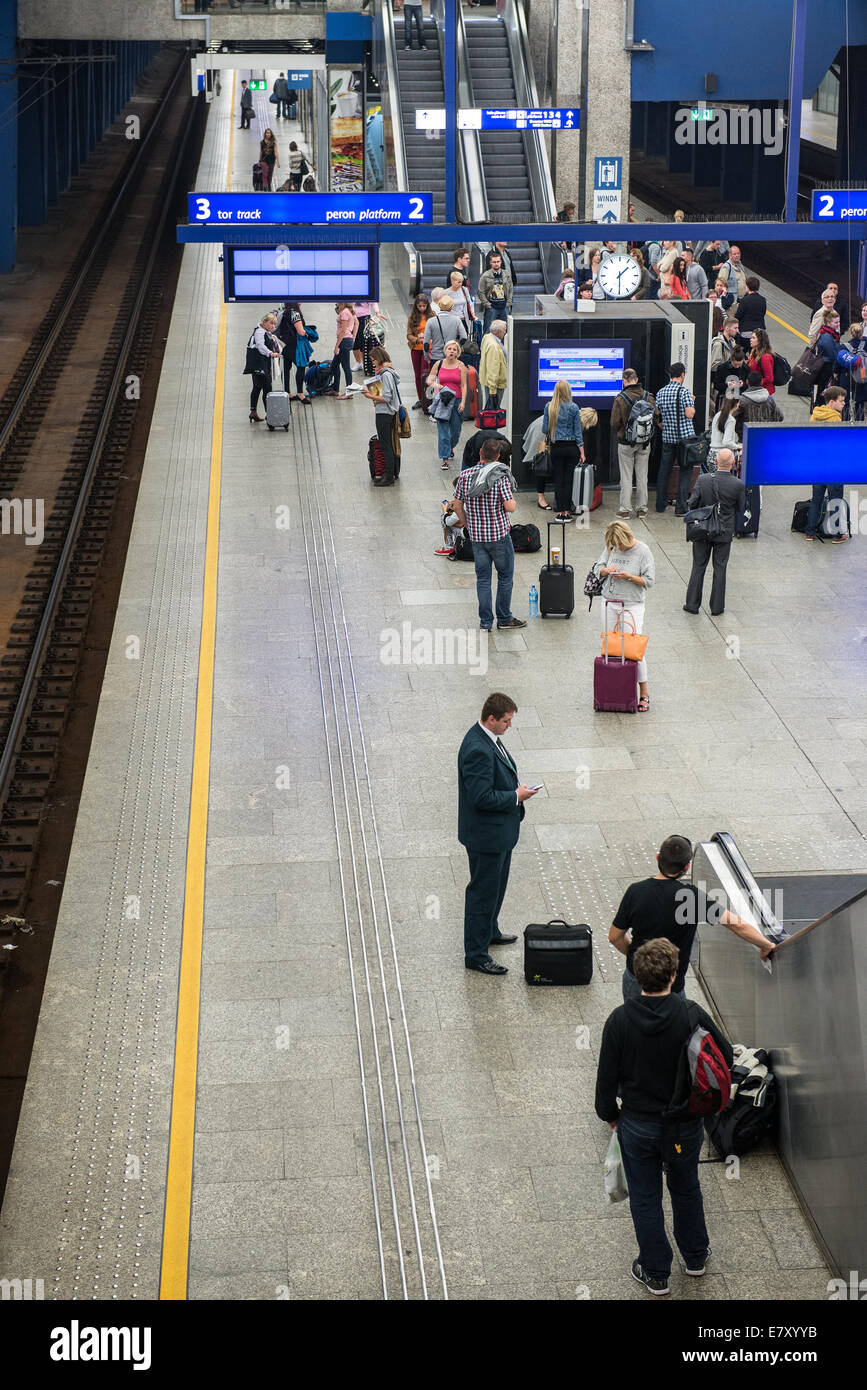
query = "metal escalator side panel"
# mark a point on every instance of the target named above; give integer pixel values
(811, 1015)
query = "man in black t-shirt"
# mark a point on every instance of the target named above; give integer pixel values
(664, 906)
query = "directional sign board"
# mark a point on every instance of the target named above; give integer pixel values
(839, 205)
(507, 118)
(607, 188)
(517, 118)
(343, 209)
(299, 81)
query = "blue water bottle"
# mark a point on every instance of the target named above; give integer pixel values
(534, 602)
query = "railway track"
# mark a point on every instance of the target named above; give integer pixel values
(66, 420)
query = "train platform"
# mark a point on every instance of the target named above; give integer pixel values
(261, 1070)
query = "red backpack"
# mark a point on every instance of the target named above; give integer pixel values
(703, 1084)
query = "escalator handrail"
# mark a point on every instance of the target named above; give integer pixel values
(472, 205)
(393, 78)
(769, 924)
(470, 144)
(541, 187)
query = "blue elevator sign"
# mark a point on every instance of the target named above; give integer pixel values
(338, 209)
(839, 205)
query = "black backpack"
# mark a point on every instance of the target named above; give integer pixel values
(463, 544)
(526, 538)
(782, 370)
(751, 1116)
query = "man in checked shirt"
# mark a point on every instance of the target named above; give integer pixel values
(487, 521)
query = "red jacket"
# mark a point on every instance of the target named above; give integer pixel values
(765, 365)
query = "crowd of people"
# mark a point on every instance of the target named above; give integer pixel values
(457, 339)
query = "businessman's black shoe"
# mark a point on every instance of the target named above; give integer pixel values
(503, 940)
(487, 967)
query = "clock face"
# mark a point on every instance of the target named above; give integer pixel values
(619, 276)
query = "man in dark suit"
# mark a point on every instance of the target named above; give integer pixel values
(490, 810)
(732, 498)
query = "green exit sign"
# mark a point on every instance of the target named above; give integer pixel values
(258, 86)
(698, 113)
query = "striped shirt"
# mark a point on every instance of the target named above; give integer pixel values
(671, 402)
(487, 518)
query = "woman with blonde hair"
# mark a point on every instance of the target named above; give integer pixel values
(626, 565)
(449, 374)
(561, 424)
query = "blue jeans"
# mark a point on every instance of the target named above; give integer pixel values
(814, 515)
(492, 314)
(641, 1144)
(671, 455)
(501, 555)
(449, 432)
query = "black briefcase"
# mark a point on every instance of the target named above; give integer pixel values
(556, 953)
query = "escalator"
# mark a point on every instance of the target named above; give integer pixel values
(420, 78)
(504, 156)
(810, 1012)
(510, 181)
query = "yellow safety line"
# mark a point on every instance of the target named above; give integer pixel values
(803, 337)
(179, 1179)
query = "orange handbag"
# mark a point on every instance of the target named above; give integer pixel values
(631, 645)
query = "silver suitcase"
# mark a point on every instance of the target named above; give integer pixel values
(278, 411)
(583, 484)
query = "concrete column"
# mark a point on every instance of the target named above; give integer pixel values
(657, 129)
(706, 165)
(769, 175)
(52, 183)
(8, 134)
(679, 157)
(32, 179)
(606, 124)
(736, 177)
(564, 28)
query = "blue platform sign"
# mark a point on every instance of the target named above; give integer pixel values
(517, 118)
(789, 455)
(839, 205)
(299, 81)
(336, 209)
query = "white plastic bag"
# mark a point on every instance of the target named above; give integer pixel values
(615, 1177)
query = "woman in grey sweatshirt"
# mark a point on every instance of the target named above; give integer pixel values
(626, 565)
(385, 406)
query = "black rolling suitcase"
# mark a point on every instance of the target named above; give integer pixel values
(747, 521)
(556, 581)
(556, 953)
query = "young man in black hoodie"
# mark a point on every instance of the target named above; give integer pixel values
(641, 1046)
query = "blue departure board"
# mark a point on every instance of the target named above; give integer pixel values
(305, 273)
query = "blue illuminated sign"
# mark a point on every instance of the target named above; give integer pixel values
(299, 81)
(839, 205)
(338, 209)
(278, 273)
(786, 455)
(547, 118)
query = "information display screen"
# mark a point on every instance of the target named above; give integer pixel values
(305, 273)
(594, 369)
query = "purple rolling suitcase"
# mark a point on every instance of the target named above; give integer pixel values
(615, 683)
